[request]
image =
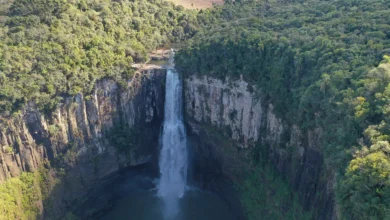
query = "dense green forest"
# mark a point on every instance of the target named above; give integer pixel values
(53, 48)
(321, 64)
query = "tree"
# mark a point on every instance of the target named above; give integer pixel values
(366, 186)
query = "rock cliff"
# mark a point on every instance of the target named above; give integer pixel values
(232, 121)
(72, 141)
(228, 120)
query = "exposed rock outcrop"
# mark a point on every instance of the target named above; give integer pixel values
(73, 137)
(235, 110)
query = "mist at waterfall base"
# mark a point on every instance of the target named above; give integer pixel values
(169, 197)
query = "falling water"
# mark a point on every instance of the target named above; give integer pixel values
(172, 202)
(173, 155)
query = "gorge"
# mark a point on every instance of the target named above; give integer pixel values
(175, 198)
(80, 151)
(274, 109)
(219, 142)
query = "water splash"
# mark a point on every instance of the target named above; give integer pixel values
(173, 155)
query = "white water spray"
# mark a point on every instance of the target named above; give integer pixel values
(173, 155)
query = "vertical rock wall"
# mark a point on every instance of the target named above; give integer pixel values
(235, 110)
(73, 137)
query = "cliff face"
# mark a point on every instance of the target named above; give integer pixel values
(74, 137)
(234, 110)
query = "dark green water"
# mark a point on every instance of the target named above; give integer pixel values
(138, 201)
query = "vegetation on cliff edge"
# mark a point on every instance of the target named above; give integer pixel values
(321, 64)
(50, 49)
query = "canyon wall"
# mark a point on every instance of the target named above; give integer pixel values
(228, 121)
(72, 141)
(232, 122)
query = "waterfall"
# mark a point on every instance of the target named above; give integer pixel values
(173, 155)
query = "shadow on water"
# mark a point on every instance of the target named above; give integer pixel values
(137, 200)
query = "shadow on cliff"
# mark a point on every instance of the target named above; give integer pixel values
(91, 142)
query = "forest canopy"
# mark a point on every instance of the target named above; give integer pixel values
(53, 48)
(321, 64)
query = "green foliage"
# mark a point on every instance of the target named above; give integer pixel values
(123, 138)
(45, 10)
(70, 216)
(20, 197)
(4, 7)
(365, 190)
(266, 195)
(8, 149)
(53, 130)
(63, 159)
(53, 48)
(320, 63)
